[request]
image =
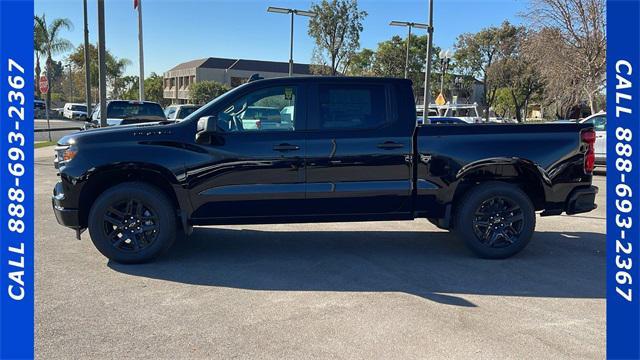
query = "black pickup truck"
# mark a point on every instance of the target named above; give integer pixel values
(345, 149)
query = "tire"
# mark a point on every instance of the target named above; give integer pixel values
(495, 220)
(132, 223)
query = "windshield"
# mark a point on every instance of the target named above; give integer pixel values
(123, 109)
(78, 108)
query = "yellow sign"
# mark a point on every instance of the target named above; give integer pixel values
(288, 93)
(440, 100)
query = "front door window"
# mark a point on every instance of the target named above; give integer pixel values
(270, 109)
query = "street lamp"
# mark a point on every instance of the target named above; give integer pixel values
(457, 83)
(293, 12)
(445, 58)
(427, 67)
(410, 25)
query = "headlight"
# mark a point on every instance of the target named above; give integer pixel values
(64, 154)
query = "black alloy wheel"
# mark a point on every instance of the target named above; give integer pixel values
(131, 225)
(498, 222)
(495, 219)
(132, 222)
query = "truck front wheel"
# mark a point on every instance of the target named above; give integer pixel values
(132, 223)
(496, 220)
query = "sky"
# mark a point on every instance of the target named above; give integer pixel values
(181, 30)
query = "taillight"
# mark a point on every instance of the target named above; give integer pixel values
(589, 138)
(258, 124)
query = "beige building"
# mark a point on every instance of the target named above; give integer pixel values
(232, 72)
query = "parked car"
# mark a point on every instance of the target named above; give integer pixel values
(39, 104)
(599, 122)
(39, 108)
(179, 112)
(126, 112)
(73, 111)
(354, 153)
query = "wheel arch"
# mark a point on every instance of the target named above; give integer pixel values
(105, 177)
(525, 174)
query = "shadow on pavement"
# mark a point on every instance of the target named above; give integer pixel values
(430, 265)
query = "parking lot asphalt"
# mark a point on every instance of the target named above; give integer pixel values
(385, 290)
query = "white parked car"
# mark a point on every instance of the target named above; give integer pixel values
(75, 111)
(599, 122)
(179, 112)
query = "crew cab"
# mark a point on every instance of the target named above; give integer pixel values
(352, 152)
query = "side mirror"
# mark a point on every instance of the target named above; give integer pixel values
(207, 126)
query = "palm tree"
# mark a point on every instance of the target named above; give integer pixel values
(52, 43)
(38, 45)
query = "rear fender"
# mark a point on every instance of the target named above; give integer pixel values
(529, 176)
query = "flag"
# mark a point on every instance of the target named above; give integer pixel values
(135, 4)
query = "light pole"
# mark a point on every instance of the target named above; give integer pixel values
(102, 67)
(87, 74)
(293, 12)
(427, 71)
(409, 25)
(457, 83)
(445, 58)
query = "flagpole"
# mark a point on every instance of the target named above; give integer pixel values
(141, 51)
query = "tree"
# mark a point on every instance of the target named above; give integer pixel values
(390, 59)
(336, 29)
(125, 87)
(361, 63)
(515, 71)
(562, 90)
(205, 91)
(38, 50)
(154, 89)
(475, 53)
(578, 26)
(50, 41)
(503, 104)
(115, 69)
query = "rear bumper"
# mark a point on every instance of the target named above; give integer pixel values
(581, 200)
(65, 216)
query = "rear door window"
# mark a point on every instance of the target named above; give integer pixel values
(351, 107)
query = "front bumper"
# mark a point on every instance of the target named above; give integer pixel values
(582, 200)
(65, 216)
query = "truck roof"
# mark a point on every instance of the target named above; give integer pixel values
(332, 79)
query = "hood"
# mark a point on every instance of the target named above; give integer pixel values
(113, 133)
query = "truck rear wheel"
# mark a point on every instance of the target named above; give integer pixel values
(132, 223)
(496, 220)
